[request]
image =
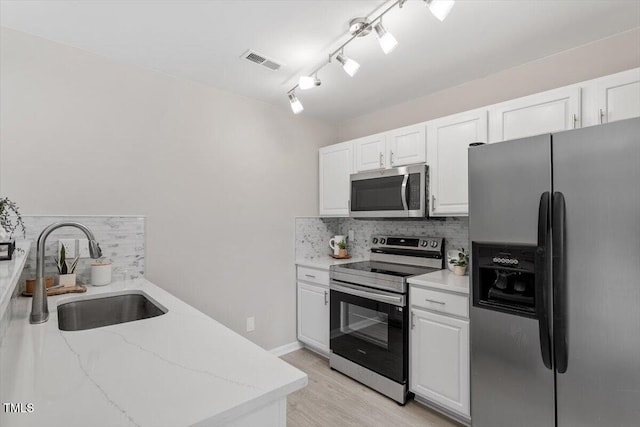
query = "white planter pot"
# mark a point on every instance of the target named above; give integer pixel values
(67, 280)
(460, 271)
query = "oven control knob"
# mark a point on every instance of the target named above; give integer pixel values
(434, 243)
(516, 262)
(495, 259)
(375, 240)
(382, 241)
(424, 243)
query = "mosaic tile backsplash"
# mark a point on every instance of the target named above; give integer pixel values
(121, 239)
(313, 234)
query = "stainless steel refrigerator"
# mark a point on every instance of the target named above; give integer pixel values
(554, 222)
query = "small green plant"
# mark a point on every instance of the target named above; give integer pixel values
(10, 218)
(63, 265)
(342, 244)
(462, 260)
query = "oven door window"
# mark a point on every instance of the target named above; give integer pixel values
(370, 333)
(377, 194)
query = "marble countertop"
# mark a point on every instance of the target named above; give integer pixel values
(442, 279)
(179, 369)
(10, 273)
(325, 262)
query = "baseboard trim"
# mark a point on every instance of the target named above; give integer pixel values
(287, 348)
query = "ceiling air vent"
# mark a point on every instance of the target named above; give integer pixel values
(252, 56)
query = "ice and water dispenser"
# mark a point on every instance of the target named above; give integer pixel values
(504, 277)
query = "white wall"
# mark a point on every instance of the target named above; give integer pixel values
(607, 56)
(219, 176)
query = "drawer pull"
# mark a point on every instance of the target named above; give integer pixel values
(435, 301)
(310, 275)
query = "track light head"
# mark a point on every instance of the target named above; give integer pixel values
(386, 39)
(440, 8)
(308, 82)
(348, 65)
(296, 105)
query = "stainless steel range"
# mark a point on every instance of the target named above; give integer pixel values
(369, 317)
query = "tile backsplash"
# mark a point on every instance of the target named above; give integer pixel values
(121, 239)
(313, 234)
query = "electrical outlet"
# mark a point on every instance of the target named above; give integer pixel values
(352, 235)
(251, 324)
(83, 248)
(69, 247)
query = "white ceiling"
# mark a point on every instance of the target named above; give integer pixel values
(203, 41)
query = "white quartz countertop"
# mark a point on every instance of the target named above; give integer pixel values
(178, 369)
(442, 279)
(325, 262)
(10, 273)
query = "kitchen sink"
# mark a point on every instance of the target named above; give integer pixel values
(104, 311)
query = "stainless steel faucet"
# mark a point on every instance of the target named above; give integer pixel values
(39, 308)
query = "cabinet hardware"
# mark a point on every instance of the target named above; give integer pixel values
(575, 121)
(435, 301)
(391, 157)
(381, 160)
(601, 116)
(310, 275)
(433, 202)
(413, 323)
(326, 295)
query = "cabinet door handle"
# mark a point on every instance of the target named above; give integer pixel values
(310, 275)
(601, 116)
(413, 320)
(435, 301)
(433, 202)
(326, 295)
(391, 157)
(381, 160)
(575, 121)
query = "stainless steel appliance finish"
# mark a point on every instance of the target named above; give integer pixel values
(510, 386)
(597, 305)
(392, 193)
(110, 310)
(572, 196)
(39, 307)
(369, 316)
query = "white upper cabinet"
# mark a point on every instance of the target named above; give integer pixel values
(551, 111)
(618, 96)
(336, 164)
(448, 139)
(407, 145)
(398, 147)
(370, 153)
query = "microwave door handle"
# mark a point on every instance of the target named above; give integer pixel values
(403, 193)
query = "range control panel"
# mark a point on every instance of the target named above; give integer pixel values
(427, 244)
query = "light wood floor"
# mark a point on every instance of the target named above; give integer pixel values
(332, 399)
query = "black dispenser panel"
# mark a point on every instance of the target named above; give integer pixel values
(504, 277)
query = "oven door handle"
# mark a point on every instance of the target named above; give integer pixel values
(372, 295)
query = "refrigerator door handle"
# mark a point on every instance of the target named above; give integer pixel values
(560, 339)
(542, 284)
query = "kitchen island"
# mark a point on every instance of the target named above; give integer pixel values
(179, 369)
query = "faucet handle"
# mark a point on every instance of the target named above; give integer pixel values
(94, 249)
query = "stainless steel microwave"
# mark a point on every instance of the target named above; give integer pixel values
(391, 193)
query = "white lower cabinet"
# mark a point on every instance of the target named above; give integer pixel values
(439, 360)
(313, 315)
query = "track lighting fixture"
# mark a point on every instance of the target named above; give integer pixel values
(440, 8)
(360, 27)
(386, 39)
(348, 65)
(296, 105)
(308, 82)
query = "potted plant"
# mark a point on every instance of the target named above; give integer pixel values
(66, 271)
(342, 245)
(10, 221)
(460, 264)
